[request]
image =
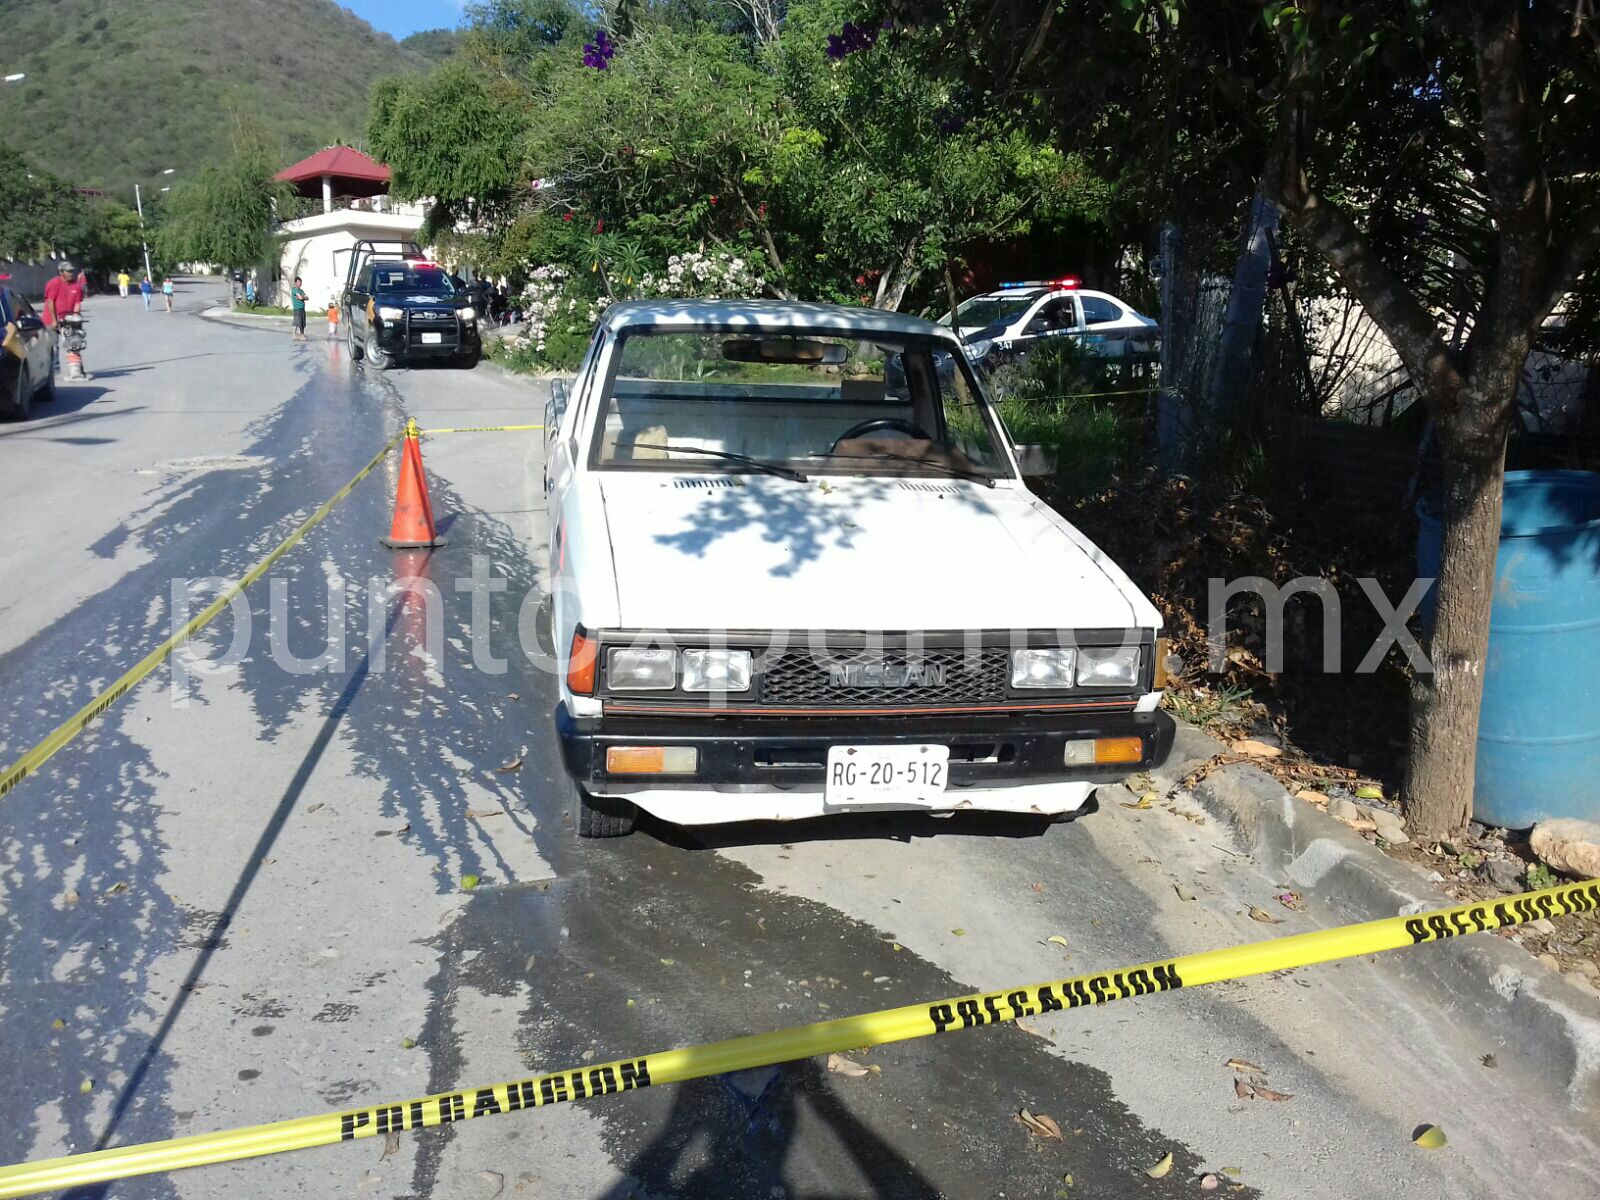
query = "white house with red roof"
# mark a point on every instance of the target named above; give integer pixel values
(355, 205)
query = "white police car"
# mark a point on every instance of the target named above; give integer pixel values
(1018, 316)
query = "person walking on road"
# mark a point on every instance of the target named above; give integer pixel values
(166, 291)
(297, 299)
(333, 319)
(123, 280)
(63, 296)
(145, 290)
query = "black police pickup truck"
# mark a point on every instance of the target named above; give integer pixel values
(408, 308)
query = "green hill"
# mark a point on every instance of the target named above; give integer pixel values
(118, 90)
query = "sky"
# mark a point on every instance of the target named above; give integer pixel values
(401, 17)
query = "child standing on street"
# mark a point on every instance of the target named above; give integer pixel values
(333, 319)
(166, 291)
(297, 299)
(123, 280)
(145, 290)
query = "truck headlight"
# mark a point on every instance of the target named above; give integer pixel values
(1043, 668)
(1110, 667)
(390, 313)
(632, 670)
(469, 313)
(716, 670)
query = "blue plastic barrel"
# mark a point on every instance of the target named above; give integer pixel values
(1539, 735)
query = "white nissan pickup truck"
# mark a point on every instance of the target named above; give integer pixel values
(795, 572)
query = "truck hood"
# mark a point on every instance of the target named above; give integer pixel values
(759, 552)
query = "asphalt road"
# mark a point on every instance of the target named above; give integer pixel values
(241, 896)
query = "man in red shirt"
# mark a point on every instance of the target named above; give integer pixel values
(62, 295)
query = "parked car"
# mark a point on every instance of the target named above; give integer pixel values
(797, 573)
(1016, 317)
(29, 376)
(408, 308)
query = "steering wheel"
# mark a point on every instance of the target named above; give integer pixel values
(908, 428)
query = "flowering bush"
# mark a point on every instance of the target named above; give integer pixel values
(560, 319)
(719, 275)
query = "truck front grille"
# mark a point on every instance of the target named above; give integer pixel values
(896, 678)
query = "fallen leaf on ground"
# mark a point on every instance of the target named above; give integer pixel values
(1262, 915)
(115, 888)
(69, 897)
(848, 1067)
(468, 882)
(1429, 1137)
(1209, 1182)
(86, 1086)
(408, 1043)
(1242, 1064)
(1182, 894)
(1160, 1169)
(1038, 887)
(1265, 1093)
(1233, 1172)
(513, 696)
(1311, 797)
(1058, 940)
(311, 808)
(1035, 1031)
(494, 1178)
(1066, 1180)
(478, 814)
(1144, 801)
(667, 962)
(1290, 900)
(391, 1144)
(514, 765)
(959, 932)
(1039, 1125)
(1254, 748)
(1369, 791)
(1243, 1090)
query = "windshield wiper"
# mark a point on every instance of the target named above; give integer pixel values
(954, 472)
(743, 459)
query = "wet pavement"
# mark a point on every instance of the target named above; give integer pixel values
(242, 898)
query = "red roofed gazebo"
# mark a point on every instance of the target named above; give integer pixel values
(337, 171)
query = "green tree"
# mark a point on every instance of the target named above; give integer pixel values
(39, 213)
(226, 214)
(114, 237)
(453, 136)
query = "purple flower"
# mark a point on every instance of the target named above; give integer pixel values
(852, 38)
(597, 54)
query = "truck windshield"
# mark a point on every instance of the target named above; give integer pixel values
(411, 277)
(822, 403)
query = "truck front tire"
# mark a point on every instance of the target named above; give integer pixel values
(605, 816)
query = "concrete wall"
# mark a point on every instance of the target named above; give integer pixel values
(311, 243)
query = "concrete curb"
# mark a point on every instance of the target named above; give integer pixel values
(226, 316)
(1499, 988)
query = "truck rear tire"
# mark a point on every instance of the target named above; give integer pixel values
(605, 816)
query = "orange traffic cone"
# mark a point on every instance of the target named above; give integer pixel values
(413, 513)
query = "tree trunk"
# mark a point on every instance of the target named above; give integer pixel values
(1445, 705)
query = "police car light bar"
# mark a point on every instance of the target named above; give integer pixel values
(1066, 281)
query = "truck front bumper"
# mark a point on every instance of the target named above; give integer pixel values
(772, 768)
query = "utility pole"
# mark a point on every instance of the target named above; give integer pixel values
(138, 202)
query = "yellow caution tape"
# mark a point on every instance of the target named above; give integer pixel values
(75, 724)
(805, 1041)
(479, 429)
